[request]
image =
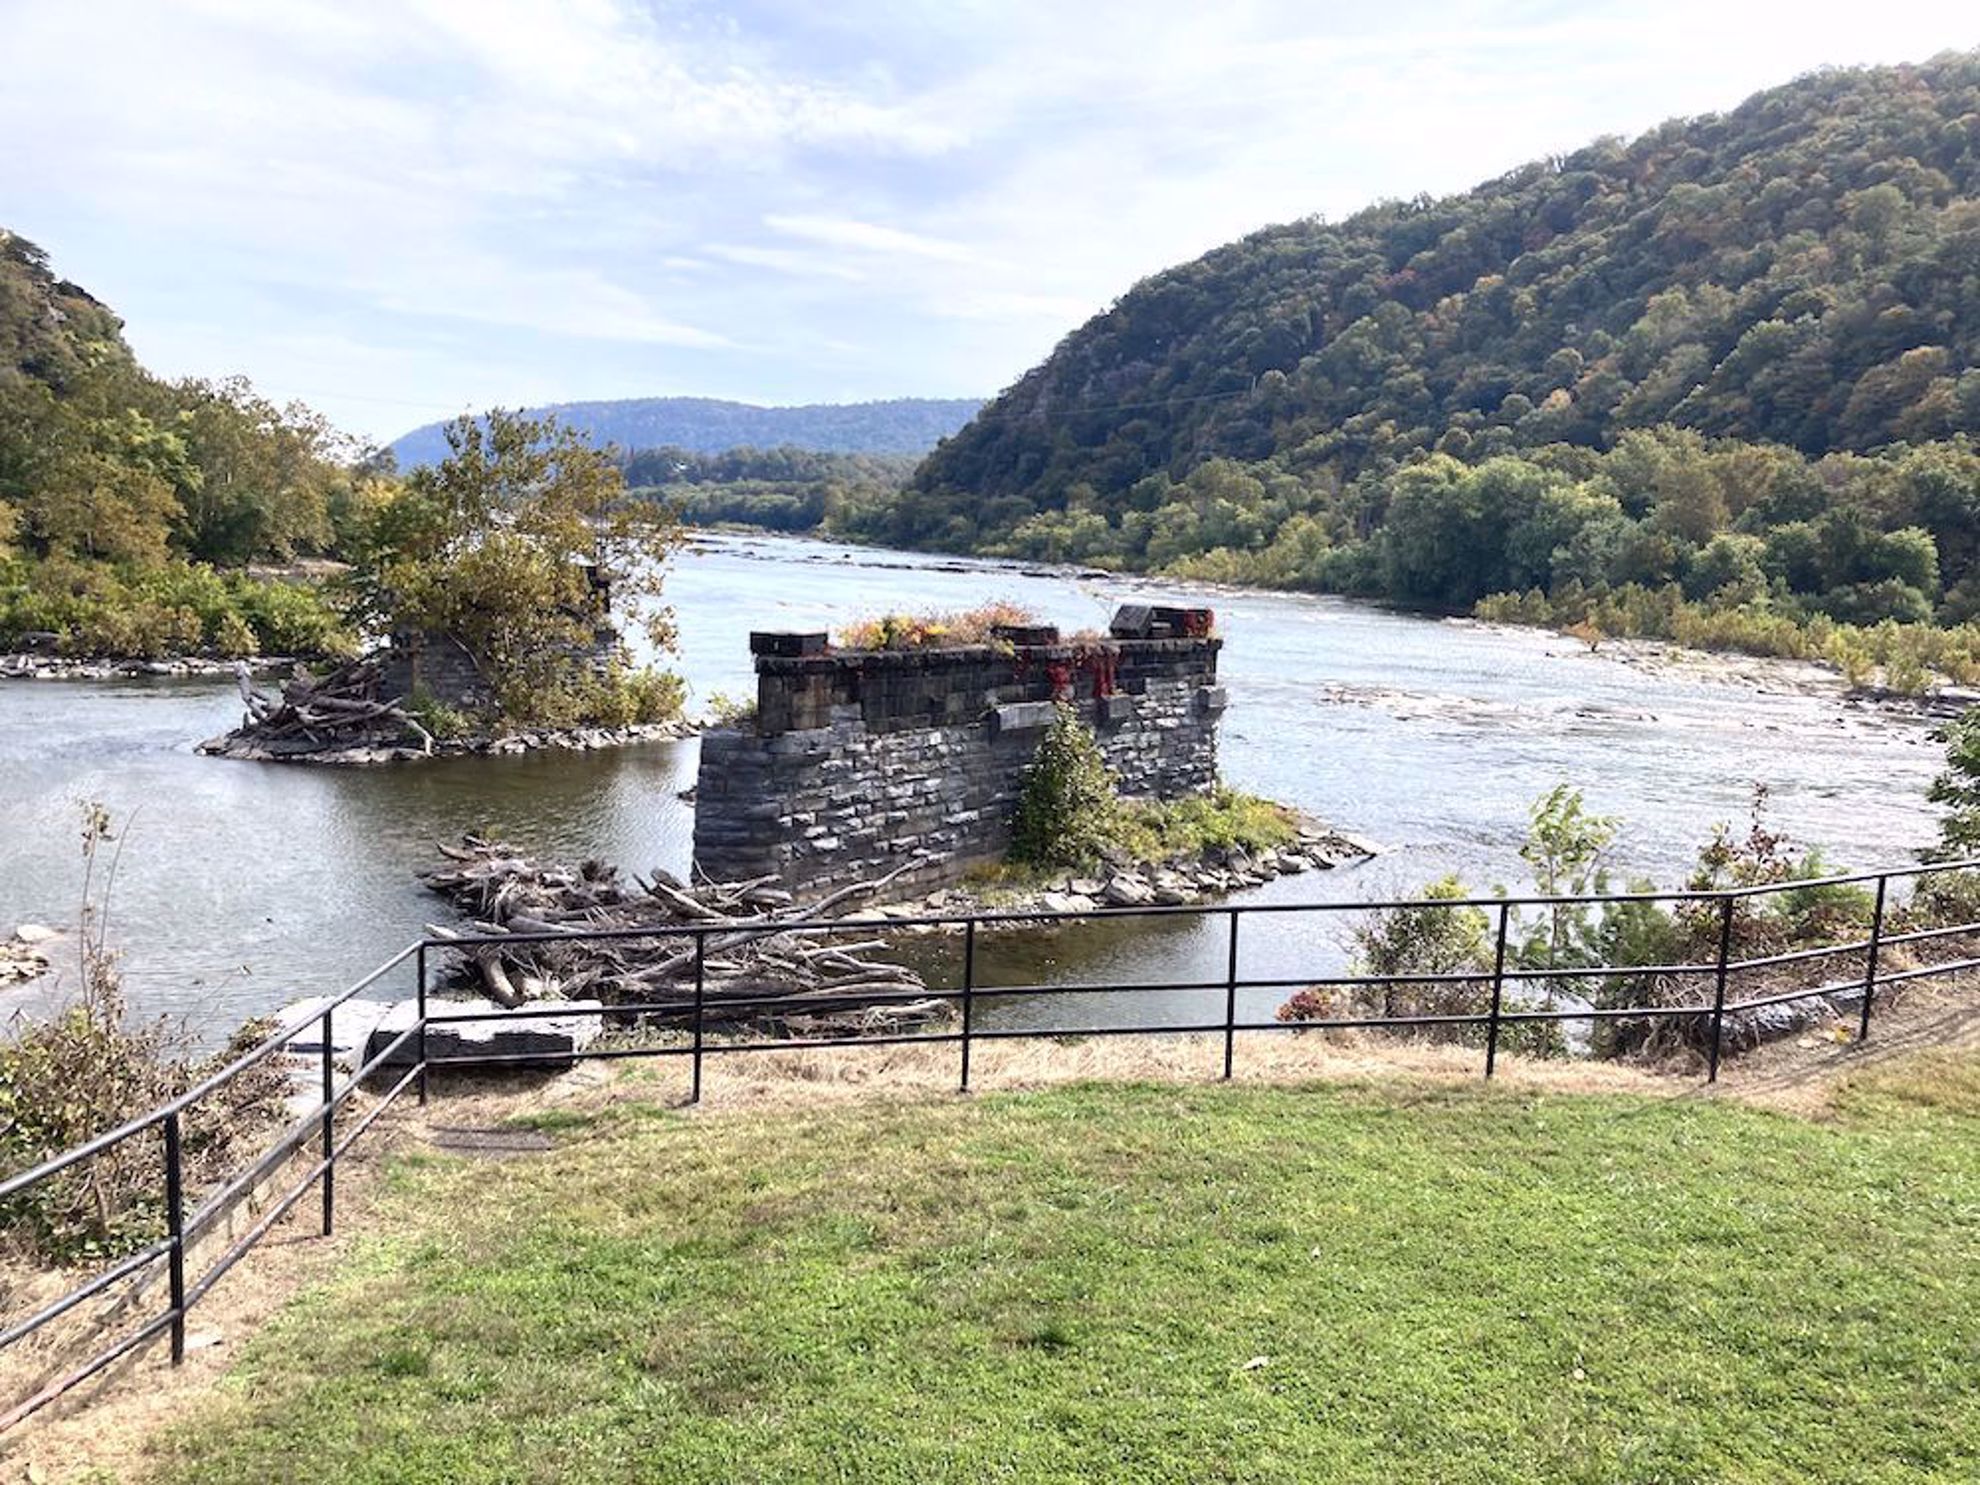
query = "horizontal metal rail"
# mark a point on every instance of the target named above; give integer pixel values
(408, 1055)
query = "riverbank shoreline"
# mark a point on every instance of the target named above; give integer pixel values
(29, 665)
(1764, 674)
(1746, 670)
(233, 746)
(1124, 883)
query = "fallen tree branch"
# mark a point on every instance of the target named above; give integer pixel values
(748, 944)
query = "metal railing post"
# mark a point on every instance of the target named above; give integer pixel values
(1719, 995)
(1498, 990)
(968, 996)
(1230, 999)
(421, 1040)
(1870, 960)
(700, 998)
(175, 1225)
(329, 1131)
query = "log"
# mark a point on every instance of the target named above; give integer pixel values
(749, 950)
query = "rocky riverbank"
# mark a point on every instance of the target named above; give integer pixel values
(37, 666)
(1120, 882)
(491, 745)
(24, 954)
(1763, 675)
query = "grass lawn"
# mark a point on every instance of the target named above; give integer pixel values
(1154, 1284)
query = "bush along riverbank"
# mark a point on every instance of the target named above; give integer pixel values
(350, 717)
(1625, 953)
(1078, 845)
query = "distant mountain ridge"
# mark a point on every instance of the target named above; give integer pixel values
(709, 425)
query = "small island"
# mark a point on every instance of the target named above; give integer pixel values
(499, 577)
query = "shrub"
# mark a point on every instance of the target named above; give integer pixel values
(1564, 846)
(1945, 899)
(1067, 810)
(234, 637)
(725, 710)
(621, 697)
(1223, 820)
(1420, 938)
(446, 723)
(90, 1068)
(932, 630)
(1426, 938)
(179, 608)
(1958, 789)
(292, 619)
(630, 697)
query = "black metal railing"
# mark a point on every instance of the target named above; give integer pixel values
(404, 1058)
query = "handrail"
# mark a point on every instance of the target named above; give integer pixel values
(261, 1052)
(1033, 917)
(183, 1229)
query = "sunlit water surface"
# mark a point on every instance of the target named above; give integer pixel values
(242, 886)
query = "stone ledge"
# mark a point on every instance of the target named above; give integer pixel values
(1022, 716)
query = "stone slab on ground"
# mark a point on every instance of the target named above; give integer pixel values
(351, 1026)
(539, 1041)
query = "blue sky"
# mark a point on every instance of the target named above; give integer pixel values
(398, 211)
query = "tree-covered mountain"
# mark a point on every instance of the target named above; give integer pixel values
(1735, 360)
(123, 495)
(706, 425)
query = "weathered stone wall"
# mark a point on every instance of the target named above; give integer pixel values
(857, 761)
(438, 667)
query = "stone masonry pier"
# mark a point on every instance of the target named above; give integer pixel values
(858, 760)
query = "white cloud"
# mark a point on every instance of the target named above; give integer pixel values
(408, 205)
(866, 237)
(793, 261)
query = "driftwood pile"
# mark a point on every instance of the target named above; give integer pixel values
(806, 983)
(339, 712)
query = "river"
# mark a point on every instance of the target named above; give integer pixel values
(243, 886)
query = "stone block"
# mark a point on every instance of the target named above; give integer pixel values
(1132, 621)
(351, 1026)
(1212, 699)
(1115, 711)
(543, 1042)
(1022, 716)
(787, 643)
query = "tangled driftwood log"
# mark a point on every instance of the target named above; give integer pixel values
(338, 712)
(757, 949)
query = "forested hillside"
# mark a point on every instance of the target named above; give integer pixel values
(780, 489)
(706, 425)
(124, 498)
(1732, 363)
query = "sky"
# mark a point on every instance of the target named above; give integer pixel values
(401, 211)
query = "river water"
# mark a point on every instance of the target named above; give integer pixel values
(243, 886)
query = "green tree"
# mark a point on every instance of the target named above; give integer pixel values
(1957, 789)
(1564, 846)
(497, 546)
